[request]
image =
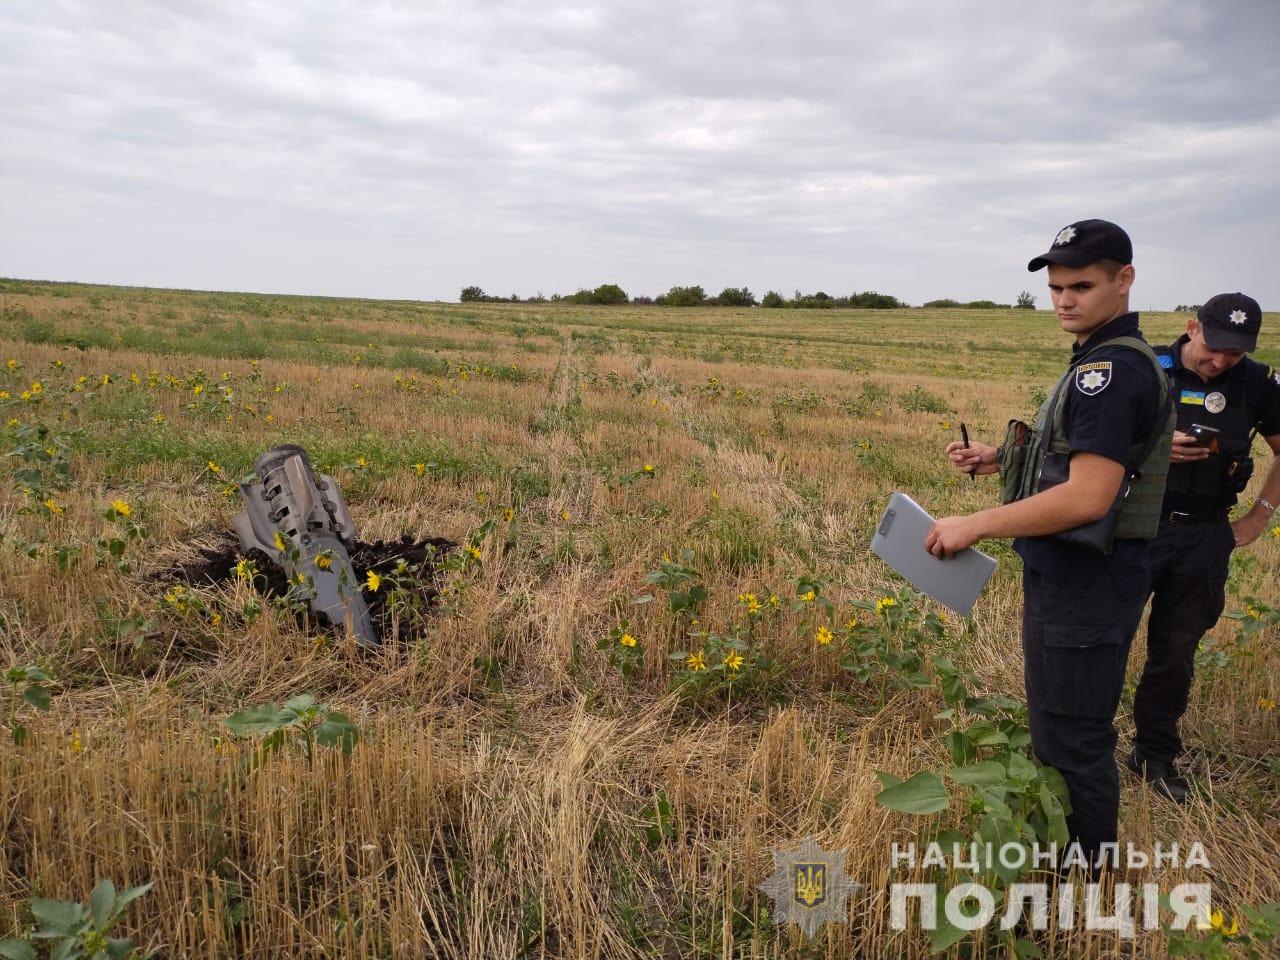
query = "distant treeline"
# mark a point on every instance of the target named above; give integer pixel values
(610, 294)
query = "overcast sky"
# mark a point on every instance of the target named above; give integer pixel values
(405, 150)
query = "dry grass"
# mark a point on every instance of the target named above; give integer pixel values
(499, 810)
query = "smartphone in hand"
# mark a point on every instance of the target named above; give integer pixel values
(1205, 436)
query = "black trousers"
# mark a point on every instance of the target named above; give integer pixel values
(1075, 645)
(1189, 565)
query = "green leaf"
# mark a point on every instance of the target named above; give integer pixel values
(1027, 950)
(953, 842)
(984, 734)
(121, 948)
(59, 917)
(953, 688)
(1055, 818)
(133, 893)
(20, 735)
(300, 704)
(993, 801)
(338, 730)
(887, 779)
(256, 721)
(960, 747)
(1057, 785)
(17, 950)
(944, 934)
(983, 773)
(37, 696)
(923, 793)
(102, 903)
(1019, 738)
(1021, 769)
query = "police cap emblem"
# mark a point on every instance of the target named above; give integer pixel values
(1238, 317)
(1065, 235)
(1093, 378)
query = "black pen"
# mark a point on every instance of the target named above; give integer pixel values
(964, 435)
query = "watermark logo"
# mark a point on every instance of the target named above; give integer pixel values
(966, 906)
(808, 886)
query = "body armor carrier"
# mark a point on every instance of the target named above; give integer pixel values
(1035, 458)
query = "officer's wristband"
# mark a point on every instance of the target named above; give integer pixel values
(1271, 507)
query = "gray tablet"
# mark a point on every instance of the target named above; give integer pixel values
(899, 542)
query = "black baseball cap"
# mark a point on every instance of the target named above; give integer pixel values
(1084, 242)
(1230, 321)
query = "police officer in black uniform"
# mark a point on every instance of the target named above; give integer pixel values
(1083, 603)
(1215, 386)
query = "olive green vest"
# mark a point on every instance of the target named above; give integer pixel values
(1140, 510)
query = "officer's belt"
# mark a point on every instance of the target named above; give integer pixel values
(1185, 516)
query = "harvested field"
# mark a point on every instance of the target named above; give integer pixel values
(535, 774)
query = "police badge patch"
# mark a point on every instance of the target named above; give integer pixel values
(1093, 378)
(1215, 402)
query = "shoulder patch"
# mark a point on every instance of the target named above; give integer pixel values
(1093, 378)
(1166, 361)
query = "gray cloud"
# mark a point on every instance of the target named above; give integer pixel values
(405, 149)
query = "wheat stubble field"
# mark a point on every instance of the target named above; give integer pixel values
(526, 783)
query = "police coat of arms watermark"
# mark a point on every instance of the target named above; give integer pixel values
(808, 886)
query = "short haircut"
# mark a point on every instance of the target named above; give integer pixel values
(1110, 267)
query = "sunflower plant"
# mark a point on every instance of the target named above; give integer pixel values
(460, 567)
(681, 581)
(809, 596)
(622, 649)
(734, 662)
(1005, 796)
(1254, 933)
(125, 529)
(891, 641)
(403, 587)
(45, 457)
(78, 930)
(301, 723)
(26, 686)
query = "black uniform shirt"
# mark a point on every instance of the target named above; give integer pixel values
(1107, 414)
(1236, 401)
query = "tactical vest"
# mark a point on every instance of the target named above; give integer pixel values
(1023, 457)
(1212, 483)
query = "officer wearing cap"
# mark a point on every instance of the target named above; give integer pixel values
(1082, 488)
(1215, 386)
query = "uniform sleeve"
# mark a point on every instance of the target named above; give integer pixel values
(1110, 419)
(1269, 409)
